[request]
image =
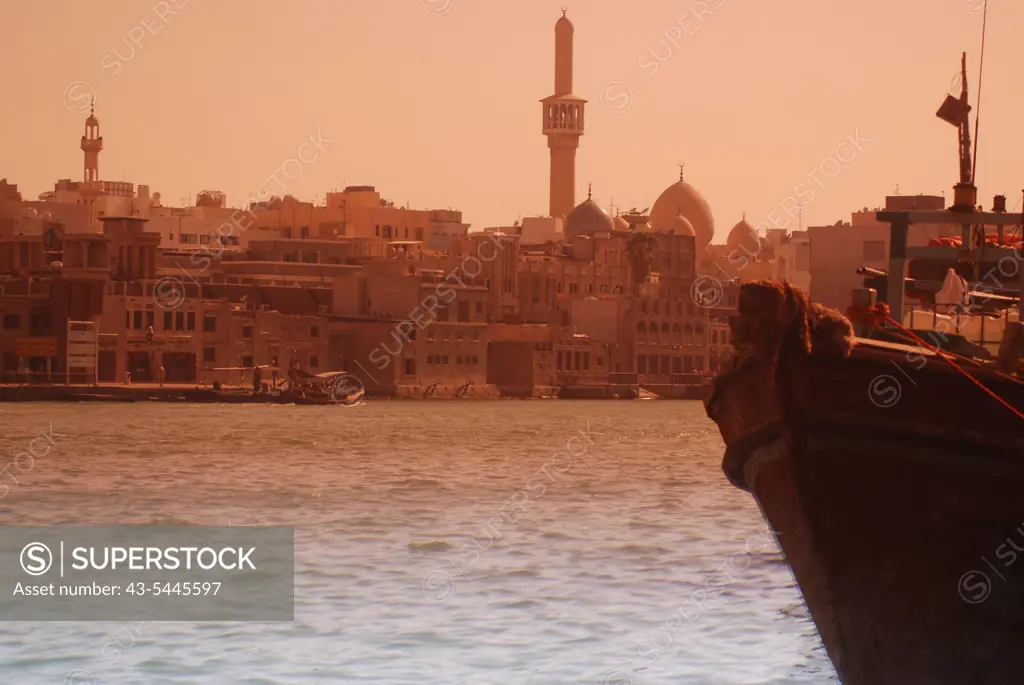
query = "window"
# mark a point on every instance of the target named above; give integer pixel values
(246, 331)
(191, 325)
(874, 251)
(314, 361)
(458, 360)
(12, 322)
(150, 316)
(137, 320)
(209, 324)
(444, 360)
(479, 307)
(204, 240)
(430, 359)
(247, 360)
(410, 366)
(314, 331)
(209, 354)
(41, 323)
(179, 321)
(189, 238)
(803, 257)
(168, 318)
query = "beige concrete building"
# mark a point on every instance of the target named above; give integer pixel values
(837, 251)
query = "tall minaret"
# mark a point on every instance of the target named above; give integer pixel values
(92, 143)
(563, 124)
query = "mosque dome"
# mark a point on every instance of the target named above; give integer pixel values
(681, 198)
(743, 236)
(621, 224)
(682, 226)
(563, 24)
(588, 217)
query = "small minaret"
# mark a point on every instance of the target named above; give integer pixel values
(563, 124)
(92, 143)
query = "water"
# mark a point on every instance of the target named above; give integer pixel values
(436, 542)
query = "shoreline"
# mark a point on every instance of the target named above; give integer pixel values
(192, 393)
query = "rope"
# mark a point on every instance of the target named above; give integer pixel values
(949, 359)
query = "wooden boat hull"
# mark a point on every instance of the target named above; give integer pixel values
(896, 490)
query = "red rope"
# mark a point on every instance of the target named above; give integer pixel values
(884, 307)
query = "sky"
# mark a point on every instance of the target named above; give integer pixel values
(436, 102)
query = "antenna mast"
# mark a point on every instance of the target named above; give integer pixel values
(981, 72)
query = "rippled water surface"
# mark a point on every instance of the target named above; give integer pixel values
(436, 542)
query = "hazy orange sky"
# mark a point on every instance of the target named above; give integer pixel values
(436, 101)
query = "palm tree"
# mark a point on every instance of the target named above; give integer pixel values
(640, 249)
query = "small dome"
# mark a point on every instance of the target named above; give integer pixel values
(743, 235)
(682, 226)
(564, 24)
(587, 217)
(621, 224)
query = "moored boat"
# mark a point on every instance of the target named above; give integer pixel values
(891, 481)
(886, 449)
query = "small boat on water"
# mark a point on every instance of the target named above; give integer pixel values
(890, 466)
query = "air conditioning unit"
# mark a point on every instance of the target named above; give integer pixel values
(322, 309)
(264, 307)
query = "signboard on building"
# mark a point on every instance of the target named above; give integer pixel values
(83, 347)
(35, 347)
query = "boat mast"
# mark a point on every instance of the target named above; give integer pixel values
(966, 172)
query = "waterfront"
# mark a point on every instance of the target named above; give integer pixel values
(588, 579)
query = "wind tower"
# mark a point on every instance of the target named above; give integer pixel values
(92, 144)
(563, 124)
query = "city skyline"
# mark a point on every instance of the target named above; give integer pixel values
(409, 133)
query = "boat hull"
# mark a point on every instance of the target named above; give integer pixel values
(897, 504)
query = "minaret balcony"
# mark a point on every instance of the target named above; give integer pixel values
(564, 130)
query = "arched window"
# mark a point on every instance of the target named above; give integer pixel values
(664, 328)
(641, 328)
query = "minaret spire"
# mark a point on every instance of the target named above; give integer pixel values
(681, 165)
(563, 123)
